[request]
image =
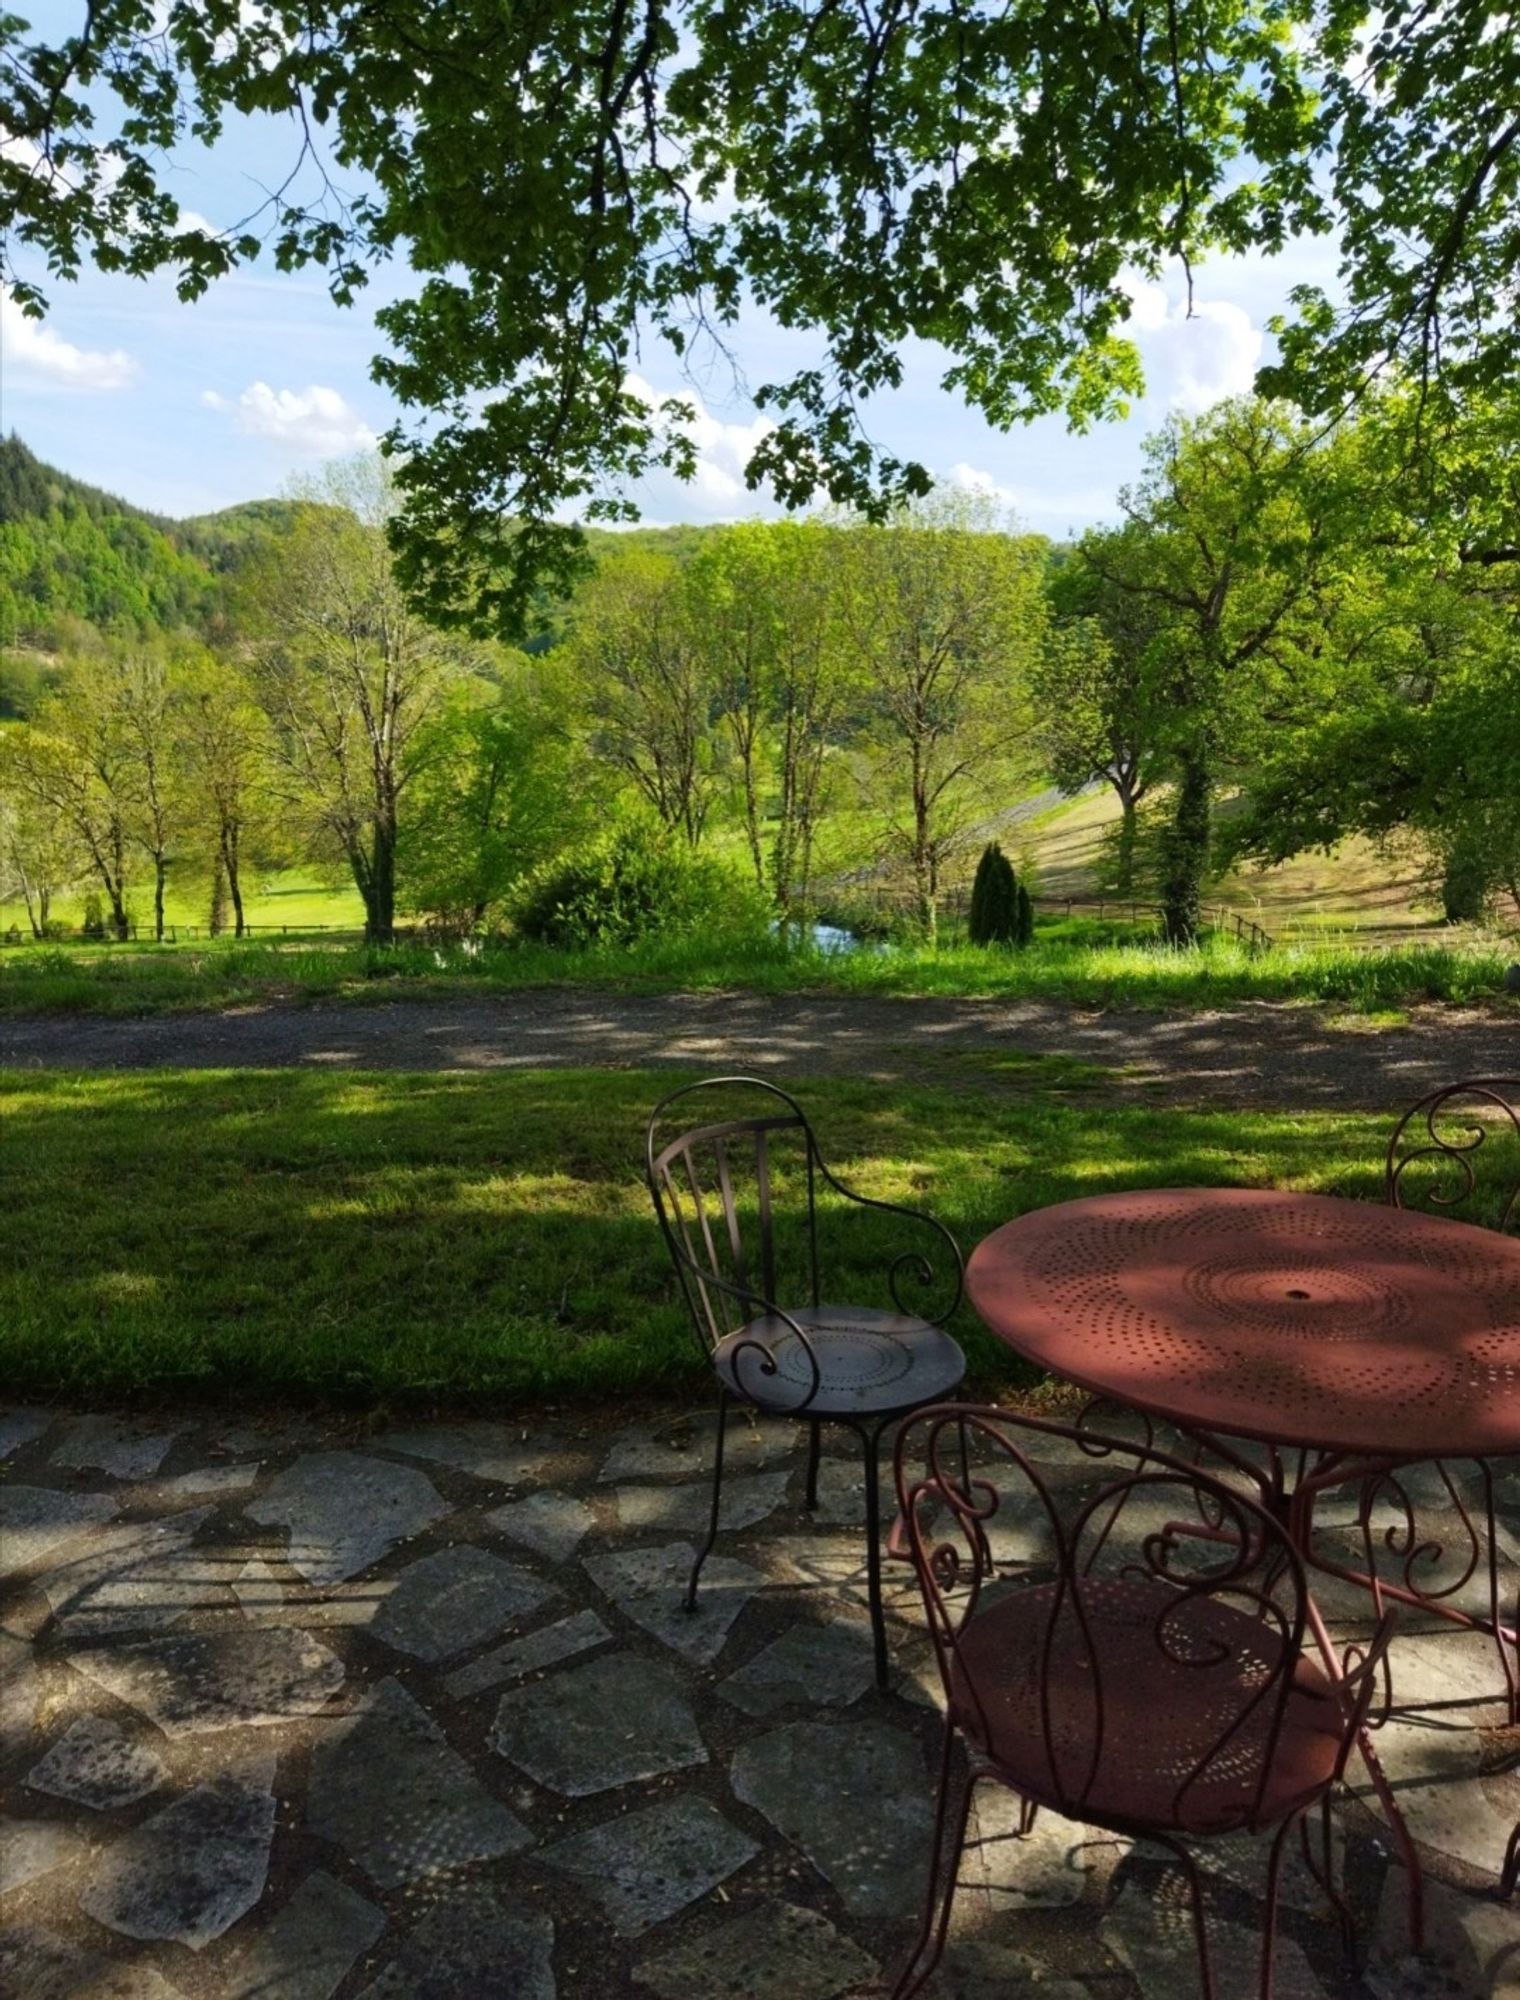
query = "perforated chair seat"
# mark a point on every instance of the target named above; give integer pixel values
(1179, 1699)
(870, 1363)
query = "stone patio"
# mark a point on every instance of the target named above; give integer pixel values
(299, 1710)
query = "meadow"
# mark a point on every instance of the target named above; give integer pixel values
(427, 1239)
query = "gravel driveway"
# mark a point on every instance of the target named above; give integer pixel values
(1255, 1055)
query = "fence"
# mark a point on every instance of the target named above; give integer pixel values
(957, 903)
(183, 933)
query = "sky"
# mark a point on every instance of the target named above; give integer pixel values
(184, 409)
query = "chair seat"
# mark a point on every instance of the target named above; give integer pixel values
(1180, 1696)
(869, 1362)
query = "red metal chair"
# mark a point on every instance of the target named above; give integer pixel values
(1511, 1874)
(1138, 1666)
(714, 1187)
(1437, 1158)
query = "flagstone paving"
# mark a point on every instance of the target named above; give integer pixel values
(308, 1710)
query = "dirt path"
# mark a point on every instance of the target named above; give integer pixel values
(1251, 1055)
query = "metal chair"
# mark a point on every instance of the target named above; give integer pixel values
(1433, 1161)
(1137, 1663)
(714, 1187)
(1511, 1873)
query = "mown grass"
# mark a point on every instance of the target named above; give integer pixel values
(390, 1238)
(1081, 961)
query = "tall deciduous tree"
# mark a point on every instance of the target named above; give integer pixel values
(1100, 686)
(569, 182)
(945, 616)
(649, 686)
(350, 677)
(224, 745)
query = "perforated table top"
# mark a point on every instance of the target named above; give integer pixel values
(1297, 1319)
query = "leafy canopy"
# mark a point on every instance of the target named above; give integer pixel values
(571, 181)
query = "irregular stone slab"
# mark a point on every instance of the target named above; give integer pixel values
(649, 1586)
(1046, 1869)
(36, 1523)
(745, 1501)
(199, 1681)
(20, 1692)
(32, 1848)
(854, 1796)
(614, 1721)
(485, 1451)
(530, 1655)
(1149, 1929)
(305, 1950)
(778, 1953)
(19, 1427)
(139, 1576)
(552, 1525)
(641, 1453)
(258, 1590)
(221, 1482)
(1434, 1770)
(188, 1873)
(1240, 1859)
(644, 1867)
(388, 1788)
(95, 1763)
(100, 1444)
(834, 1565)
(452, 1600)
(1472, 1945)
(468, 1949)
(345, 1510)
(979, 1969)
(41, 1965)
(809, 1666)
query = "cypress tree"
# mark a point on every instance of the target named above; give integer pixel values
(994, 899)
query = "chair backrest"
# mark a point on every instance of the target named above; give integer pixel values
(714, 1187)
(1440, 1144)
(1113, 1549)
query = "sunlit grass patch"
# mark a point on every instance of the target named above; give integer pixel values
(251, 1234)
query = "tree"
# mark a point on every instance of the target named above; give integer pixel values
(224, 741)
(506, 791)
(648, 686)
(764, 611)
(1100, 684)
(994, 914)
(146, 701)
(944, 615)
(1238, 533)
(74, 765)
(350, 678)
(572, 182)
(38, 853)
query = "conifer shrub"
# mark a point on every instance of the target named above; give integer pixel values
(994, 916)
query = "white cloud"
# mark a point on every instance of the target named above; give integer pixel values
(717, 492)
(1193, 359)
(1034, 503)
(32, 348)
(314, 422)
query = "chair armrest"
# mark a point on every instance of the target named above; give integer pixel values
(915, 1259)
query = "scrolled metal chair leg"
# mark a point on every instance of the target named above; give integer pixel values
(717, 1497)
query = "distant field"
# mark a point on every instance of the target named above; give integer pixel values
(289, 896)
(1357, 888)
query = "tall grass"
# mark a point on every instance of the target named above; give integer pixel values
(1077, 961)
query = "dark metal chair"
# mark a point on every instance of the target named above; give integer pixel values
(1511, 1874)
(715, 1187)
(1434, 1159)
(1136, 1662)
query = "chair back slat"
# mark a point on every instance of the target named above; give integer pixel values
(1060, 1571)
(715, 1192)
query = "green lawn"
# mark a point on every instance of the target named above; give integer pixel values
(1080, 960)
(272, 898)
(386, 1238)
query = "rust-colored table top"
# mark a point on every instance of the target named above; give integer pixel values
(1298, 1319)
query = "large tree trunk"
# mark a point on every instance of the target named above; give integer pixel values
(230, 860)
(1186, 852)
(160, 870)
(216, 916)
(380, 901)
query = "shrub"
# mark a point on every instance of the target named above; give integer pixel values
(641, 884)
(994, 916)
(94, 925)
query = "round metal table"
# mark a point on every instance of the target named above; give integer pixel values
(1298, 1319)
(1357, 1338)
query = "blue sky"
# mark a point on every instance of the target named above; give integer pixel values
(187, 408)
